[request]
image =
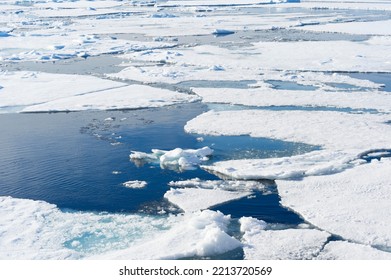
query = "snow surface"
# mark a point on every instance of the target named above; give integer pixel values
(44, 92)
(353, 204)
(342, 250)
(288, 244)
(176, 158)
(39, 230)
(195, 199)
(370, 28)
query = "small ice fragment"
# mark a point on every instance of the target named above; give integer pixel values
(200, 139)
(177, 158)
(115, 172)
(110, 119)
(56, 47)
(135, 184)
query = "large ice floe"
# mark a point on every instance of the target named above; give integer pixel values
(39, 230)
(56, 92)
(352, 204)
(343, 137)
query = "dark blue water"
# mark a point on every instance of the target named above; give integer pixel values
(80, 160)
(381, 78)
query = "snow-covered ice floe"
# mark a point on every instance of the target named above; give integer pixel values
(353, 204)
(39, 230)
(196, 194)
(289, 244)
(44, 92)
(178, 158)
(343, 138)
(195, 199)
(197, 234)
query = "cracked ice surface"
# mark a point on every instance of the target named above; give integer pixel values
(353, 204)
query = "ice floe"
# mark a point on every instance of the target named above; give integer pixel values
(288, 244)
(43, 92)
(27, 88)
(178, 158)
(308, 164)
(127, 97)
(357, 134)
(195, 199)
(271, 97)
(353, 204)
(135, 184)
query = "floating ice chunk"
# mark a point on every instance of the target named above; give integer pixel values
(343, 250)
(196, 234)
(195, 199)
(135, 184)
(289, 244)
(177, 158)
(353, 204)
(251, 226)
